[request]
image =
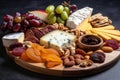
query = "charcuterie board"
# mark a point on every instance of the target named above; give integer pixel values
(61, 41)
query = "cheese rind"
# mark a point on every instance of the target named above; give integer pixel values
(12, 38)
(77, 17)
(58, 39)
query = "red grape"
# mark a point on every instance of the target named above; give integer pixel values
(30, 16)
(17, 19)
(17, 14)
(34, 23)
(19, 22)
(23, 29)
(3, 26)
(7, 18)
(112, 43)
(10, 24)
(15, 45)
(18, 51)
(36, 18)
(73, 7)
(25, 23)
(17, 27)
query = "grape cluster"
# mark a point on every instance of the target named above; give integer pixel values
(19, 23)
(59, 14)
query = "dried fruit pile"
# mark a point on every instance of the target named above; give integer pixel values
(51, 36)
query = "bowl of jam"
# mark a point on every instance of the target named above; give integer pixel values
(90, 42)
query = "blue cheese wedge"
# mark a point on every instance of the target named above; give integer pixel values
(12, 38)
(78, 16)
(58, 40)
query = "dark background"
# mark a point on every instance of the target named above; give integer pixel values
(10, 71)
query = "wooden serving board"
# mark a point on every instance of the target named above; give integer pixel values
(110, 60)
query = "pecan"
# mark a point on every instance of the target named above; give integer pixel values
(29, 32)
(32, 39)
(37, 33)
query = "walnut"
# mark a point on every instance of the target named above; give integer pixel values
(60, 26)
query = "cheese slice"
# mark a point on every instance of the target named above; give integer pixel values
(114, 37)
(85, 25)
(113, 32)
(104, 36)
(78, 16)
(109, 27)
(58, 39)
(12, 38)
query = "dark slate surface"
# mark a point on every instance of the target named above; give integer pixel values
(10, 71)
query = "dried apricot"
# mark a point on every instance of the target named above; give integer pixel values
(36, 51)
(30, 53)
(37, 46)
(24, 56)
(51, 51)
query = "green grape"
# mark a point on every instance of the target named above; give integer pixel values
(59, 20)
(52, 20)
(51, 14)
(64, 15)
(50, 8)
(67, 10)
(59, 9)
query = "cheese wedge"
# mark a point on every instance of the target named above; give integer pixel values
(113, 32)
(85, 25)
(12, 38)
(111, 27)
(104, 36)
(58, 39)
(78, 16)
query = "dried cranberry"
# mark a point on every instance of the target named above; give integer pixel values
(112, 43)
(97, 57)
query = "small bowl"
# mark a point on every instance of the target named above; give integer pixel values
(81, 42)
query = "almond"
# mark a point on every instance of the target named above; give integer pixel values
(107, 49)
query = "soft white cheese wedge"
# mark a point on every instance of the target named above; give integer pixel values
(12, 38)
(58, 39)
(78, 16)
